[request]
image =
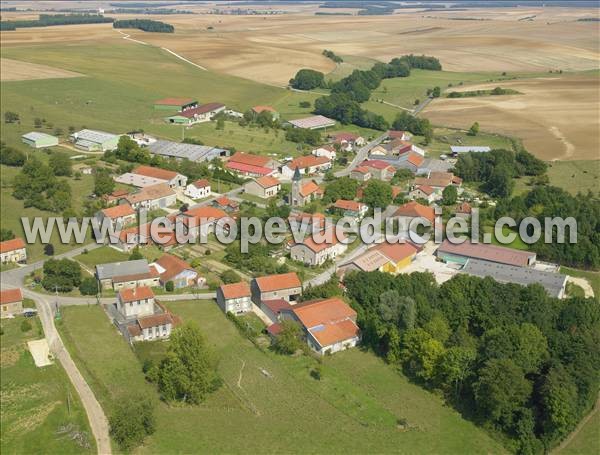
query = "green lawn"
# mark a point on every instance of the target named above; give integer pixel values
(354, 408)
(592, 277)
(41, 411)
(101, 255)
(350, 63)
(587, 441)
(446, 137)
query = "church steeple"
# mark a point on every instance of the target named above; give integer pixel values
(297, 177)
(296, 185)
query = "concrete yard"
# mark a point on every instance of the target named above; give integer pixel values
(40, 352)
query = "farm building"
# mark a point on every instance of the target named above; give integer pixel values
(39, 140)
(251, 165)
(315, 122)
(137, 180)
(384, 257)
(462, 252)
(175, 104)
(306, 165)
(329, 324)
(553, 283)
(94, 141)
(199, 114)
(13, 251)
(183, 151)
(126, 274)
(173, 178)
(283, 286)
(235, 298)
(315, 249)
(263, 187)
(152, 197)
(11, 302)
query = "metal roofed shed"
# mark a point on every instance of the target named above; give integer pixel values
(175, 104)
(39, 140)
(140, 181)
(458, 149)
(94, 141)
(312, 123)
(191, 152)
(554, 283)
(114, 269)
(461, 252)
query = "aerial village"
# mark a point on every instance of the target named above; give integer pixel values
(333, 180)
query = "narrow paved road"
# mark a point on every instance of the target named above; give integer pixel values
(96, 416)
(361, 155)
(422, 106)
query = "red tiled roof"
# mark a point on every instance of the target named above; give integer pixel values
(344, 136)
(425, 189)
(259, 109)
(150, 193)
(396, 190)
(248, 168)
(303, 162)
(309, 188)
(205, 108)
(492, 253)
(118, 211)
(376, 164)
(11, 245)
(396, 251)
(326, 240)
(309, 218)
(208, 214)
(175, 101)
(173, 266)
(336, 332)
(465, 207)
(10, 296)
(414, 209)
(202, 183)
(155, 320)
(361, 170)
(267, 181)
(155, 172)
(395, 134)
(278, 282)
(236, 290)
(134, 294)
(353, 206)
(247, 158)
(276, 305)
(134, 329)
(415, 159)
(224, 201)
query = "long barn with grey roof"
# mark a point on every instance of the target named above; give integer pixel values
(192, 152)
(127, 274)
(554, 283)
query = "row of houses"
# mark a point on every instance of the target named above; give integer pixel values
(329, 325)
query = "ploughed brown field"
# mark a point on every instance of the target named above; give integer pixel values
(557, 117)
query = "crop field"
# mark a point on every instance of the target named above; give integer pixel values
(363, 396)
(41, 411)
(15, 70)
(572, 176)
(556, 116)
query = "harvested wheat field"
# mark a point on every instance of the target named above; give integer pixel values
(270, 49)
(556, 117)
(15, 70)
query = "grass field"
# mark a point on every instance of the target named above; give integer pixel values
(354, 408)
(587, 441)
(592, 277)
(40, 409)
(572, 176)
(101, 255)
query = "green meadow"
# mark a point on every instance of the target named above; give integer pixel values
(41, 411)
(271, 403)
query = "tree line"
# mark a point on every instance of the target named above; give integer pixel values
(347, 94)
(145, 25)
(509, 357)
(46, 20)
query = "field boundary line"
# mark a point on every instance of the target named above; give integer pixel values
(183, 58)
(127, 37)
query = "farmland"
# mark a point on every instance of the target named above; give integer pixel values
(362, 395)
(38, 401)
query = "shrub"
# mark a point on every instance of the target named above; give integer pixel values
(170, 286)
(89, 286)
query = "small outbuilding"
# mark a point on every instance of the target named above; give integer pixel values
(39, 140)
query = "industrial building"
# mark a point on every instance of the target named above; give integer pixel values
(39, 140)
(315, 122)
(460, 253)
(181, 151)
(94, 141)
(554, 283)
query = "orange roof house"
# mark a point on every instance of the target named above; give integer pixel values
(267, 181)
(135, 294)
(12, 245)
(330, 324)
(415, 210)
(259, 109)
(236, 290)
(272, 283)
(311, 188)
(10, 296)
(307, 162)
(119, 211)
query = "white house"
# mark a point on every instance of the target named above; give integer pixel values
(263, 187)
(152, 197)
(135, 302)
(235, 298)
(198, 189)
(425, 192)
(306, 165)
(328, 151)
(13, 251)
(312, 251)
(173, 178)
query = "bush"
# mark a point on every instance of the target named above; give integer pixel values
(307, 79)
(169, 286)
(132, 420)
(229, 276)
(49, 249)
(26, 326)
(305, 104)
(89, 286)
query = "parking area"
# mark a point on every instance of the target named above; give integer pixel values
(426, 262)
